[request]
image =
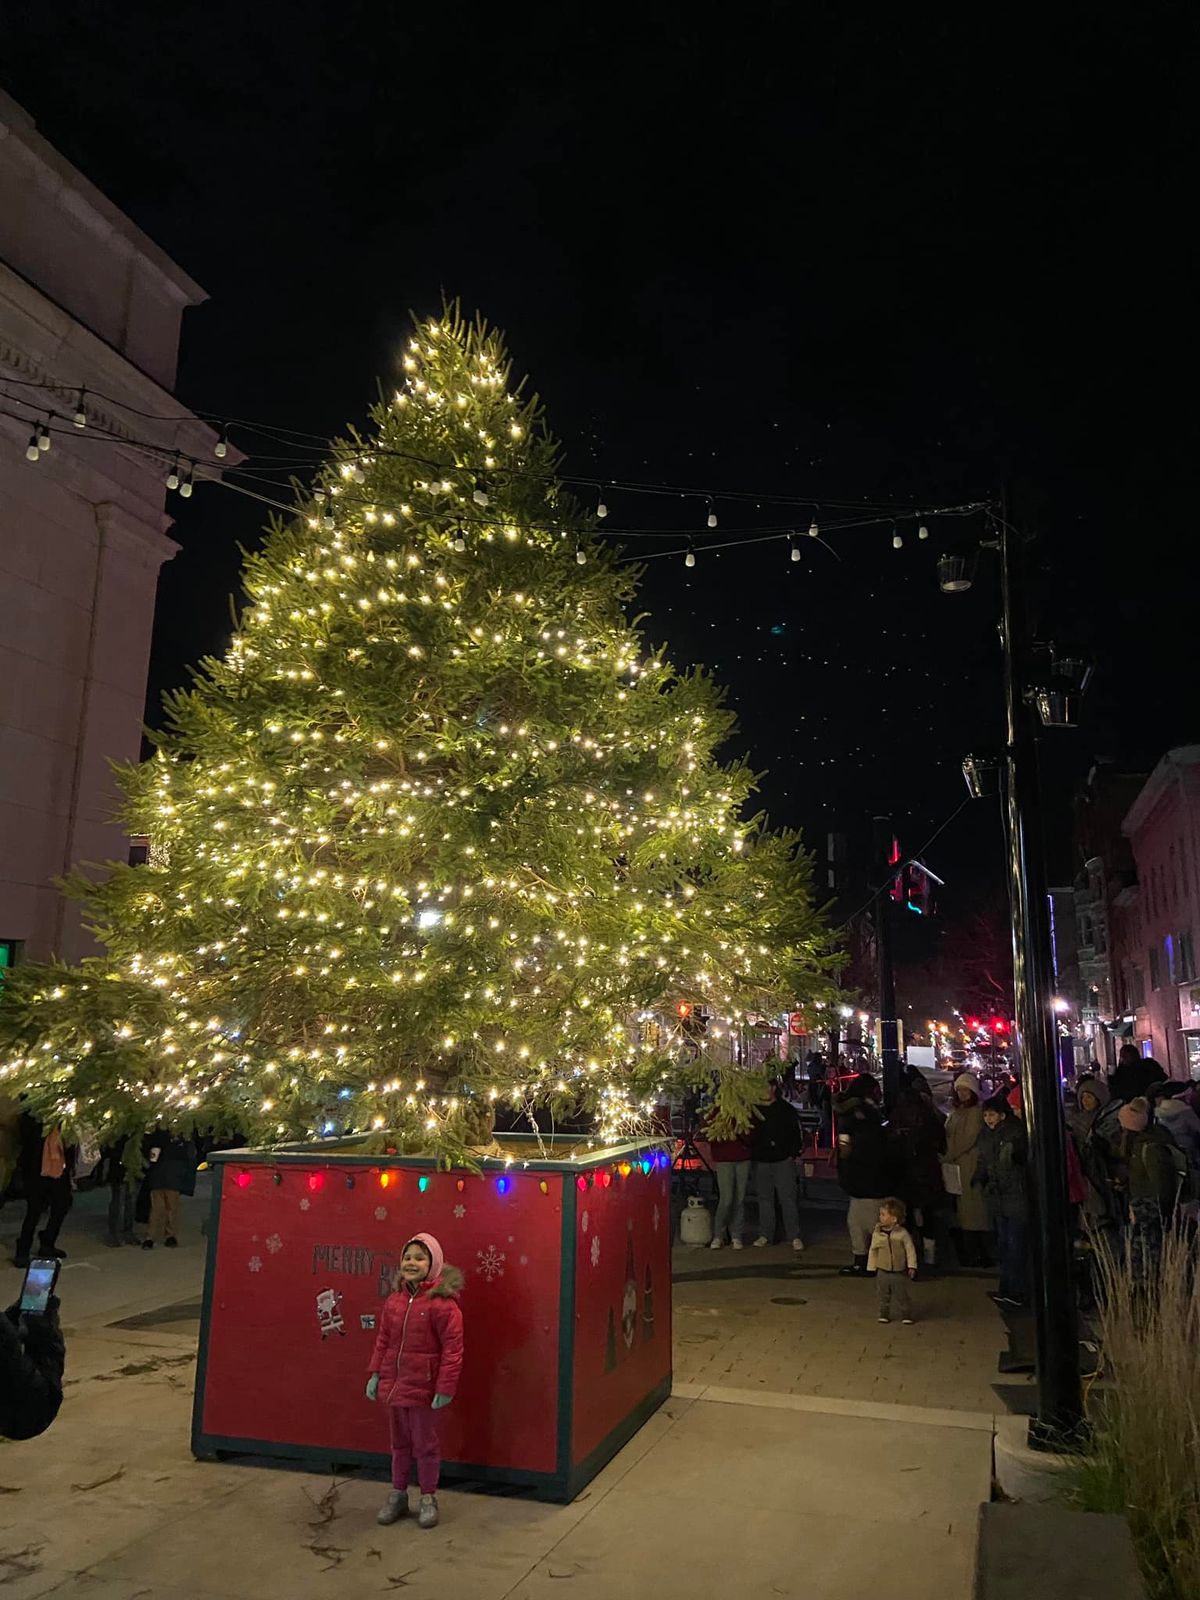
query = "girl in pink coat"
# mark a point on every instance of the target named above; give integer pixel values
(415, 1369)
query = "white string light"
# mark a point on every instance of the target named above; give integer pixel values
(712, 513)
(173, 475)
(43, 437)
(221, 448)
(580, 556)
(922, 532)
(689, 560)
(80, 418)
(813, 531)
(185, 483)
(601, 508)
(794, 547)
(32, 453)
(897, 541)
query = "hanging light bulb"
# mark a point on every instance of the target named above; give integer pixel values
(601, 508)
(43, 437)
(459, 543)
(922, 532)
(897, 541)
(712, 513)
(221, 448)
(32, 453)
(80, 417)
(580, 556)
(481, 496)
(173, 475)
(813, 531)
(357, 473)
(185, 483)
(328, 517)
(795, 548)
(690, 559)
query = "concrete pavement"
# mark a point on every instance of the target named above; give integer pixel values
(807, 1451)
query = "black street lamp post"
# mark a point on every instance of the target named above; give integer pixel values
(1059, 1396)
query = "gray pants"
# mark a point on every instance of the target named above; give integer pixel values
(733, 1179)
(893, 1294)
(776, 1180)
(860, 1221)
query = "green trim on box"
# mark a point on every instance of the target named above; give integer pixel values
(566, 1332)
(210, 1275)
(337, 1153)
(582, 1474)
(322, 1459)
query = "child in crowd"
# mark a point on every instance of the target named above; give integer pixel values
(893, 1260)
(415, 1370)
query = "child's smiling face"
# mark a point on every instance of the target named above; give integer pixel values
(414, 1263)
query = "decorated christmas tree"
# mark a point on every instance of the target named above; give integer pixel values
(438, 833)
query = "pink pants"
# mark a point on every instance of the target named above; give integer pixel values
(415, 1435)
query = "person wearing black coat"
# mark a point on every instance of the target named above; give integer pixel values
(170, 1172)
(47, 1166)
(865, 1166)
(775, 1140)
(32, 1355)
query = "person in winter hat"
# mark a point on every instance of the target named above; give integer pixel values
(893, 1260)
(1149, 1169)
(1093, 1127)
(1134, 1074)
(415, 1368)
(964, 1127)
(864, 1164)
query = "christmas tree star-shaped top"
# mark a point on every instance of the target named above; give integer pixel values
(436, 831)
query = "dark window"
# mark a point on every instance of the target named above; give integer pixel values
(1185, 957)
(1136, 985)
(1155, 968)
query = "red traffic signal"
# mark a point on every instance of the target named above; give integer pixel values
(999, 1024)
(973, 1024)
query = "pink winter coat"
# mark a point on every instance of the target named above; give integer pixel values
(419, 1348)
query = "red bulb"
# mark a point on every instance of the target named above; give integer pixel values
(606, 1180)
(316, 1180)
(242, 1180)
(581, 1182)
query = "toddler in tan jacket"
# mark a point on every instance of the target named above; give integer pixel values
(893, 1260)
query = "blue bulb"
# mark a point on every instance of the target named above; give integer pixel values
(422, 1184)
(502, 1185)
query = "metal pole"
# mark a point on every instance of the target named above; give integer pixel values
(889, 1033)
(1060, 1401)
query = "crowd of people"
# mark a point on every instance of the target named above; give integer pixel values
(952, 1191)
(143, 1206)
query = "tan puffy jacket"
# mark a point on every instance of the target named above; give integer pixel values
(892, 1250)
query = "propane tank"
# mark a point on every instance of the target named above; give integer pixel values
(695, 1223)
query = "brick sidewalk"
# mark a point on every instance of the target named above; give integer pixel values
(773, 1321)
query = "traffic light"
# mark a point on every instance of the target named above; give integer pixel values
(999, 1025)
(973, 1024)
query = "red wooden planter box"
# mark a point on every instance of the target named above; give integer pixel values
(567, 1307)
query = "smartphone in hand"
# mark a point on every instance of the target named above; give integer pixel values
(40, 1279)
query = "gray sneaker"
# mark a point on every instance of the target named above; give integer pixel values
(427, 1516)
(393, 1508)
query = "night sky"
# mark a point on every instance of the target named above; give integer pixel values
(768, 249)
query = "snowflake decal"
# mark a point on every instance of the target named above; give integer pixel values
(524, 1261)
(255, 1263)
(460, 1212)
(595, 1249)
(304, 1204)
(584, 1223)
(380, 1213)
(274, 1244)
(656, 1216)
(491, 1263)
